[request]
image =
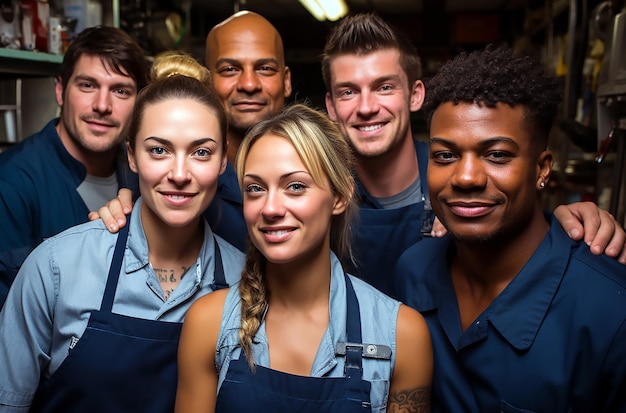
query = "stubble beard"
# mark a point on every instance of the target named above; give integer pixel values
(97, 144)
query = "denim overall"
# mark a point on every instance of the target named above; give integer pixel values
(121, 363)
(266, 390)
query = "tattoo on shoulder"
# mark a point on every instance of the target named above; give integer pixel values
(410, 401)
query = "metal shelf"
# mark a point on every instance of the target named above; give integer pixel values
(21, 63)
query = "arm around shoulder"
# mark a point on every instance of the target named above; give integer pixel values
(197, 373)
(597, 227)
(413, 371)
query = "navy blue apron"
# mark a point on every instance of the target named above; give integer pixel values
(121, 363)
(382, 235)
(270, 391)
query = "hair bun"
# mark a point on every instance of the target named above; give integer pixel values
(172, 63)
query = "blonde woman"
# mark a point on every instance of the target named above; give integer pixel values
(75, 339)
(298, 334)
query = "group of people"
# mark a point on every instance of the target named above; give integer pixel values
(316, 222)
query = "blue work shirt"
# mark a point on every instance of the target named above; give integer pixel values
(553, 341)
(225, 214)
(381, 235)
(379, 315)
(38, 196)
(62, 281)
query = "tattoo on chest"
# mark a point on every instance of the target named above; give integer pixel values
(415, 400)
(169, 278)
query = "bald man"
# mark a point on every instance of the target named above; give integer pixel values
(246, 58)
(245, 55)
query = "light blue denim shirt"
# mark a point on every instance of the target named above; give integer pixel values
(379, 314)
(63, 280)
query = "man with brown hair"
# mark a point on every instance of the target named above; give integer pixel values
(51, 180)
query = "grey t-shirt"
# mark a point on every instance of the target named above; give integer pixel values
(411, 195)
(97, 191)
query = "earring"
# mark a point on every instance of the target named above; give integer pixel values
(542, 184)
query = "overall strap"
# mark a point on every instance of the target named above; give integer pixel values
(354, 354)
(219, 279)
(115, 268)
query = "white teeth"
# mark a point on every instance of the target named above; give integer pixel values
(177, 197)
(370, 128)
(280, 232)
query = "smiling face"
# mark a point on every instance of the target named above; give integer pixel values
(485, 171)
(245, 56)
(287, 213)
(371, 100)
(96, 107)
(178, 156)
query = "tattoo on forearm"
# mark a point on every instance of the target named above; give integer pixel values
(410, 401)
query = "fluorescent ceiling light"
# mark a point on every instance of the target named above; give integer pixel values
(326, 9)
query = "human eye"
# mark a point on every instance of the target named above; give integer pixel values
(386, 87)
(229, 70)
(443, 157)
(499, 156)
(267, 70)
(157, 151)
(297, 186)
(123, 92)
(203, 153)
(253, 188)
(345, 93)
(86, 85)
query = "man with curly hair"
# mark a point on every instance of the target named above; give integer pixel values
(522, 318)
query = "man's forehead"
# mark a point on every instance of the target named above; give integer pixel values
(89, 65)
(370, 64)
(248, 35)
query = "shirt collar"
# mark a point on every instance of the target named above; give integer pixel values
(518, 312)
(137, 254)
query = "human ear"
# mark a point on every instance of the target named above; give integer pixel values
(131, 158)
(544, 167)
(330, 108)
(417, 96)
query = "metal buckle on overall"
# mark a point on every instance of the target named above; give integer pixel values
(370, 351)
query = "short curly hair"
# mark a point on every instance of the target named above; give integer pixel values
(494, 75)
